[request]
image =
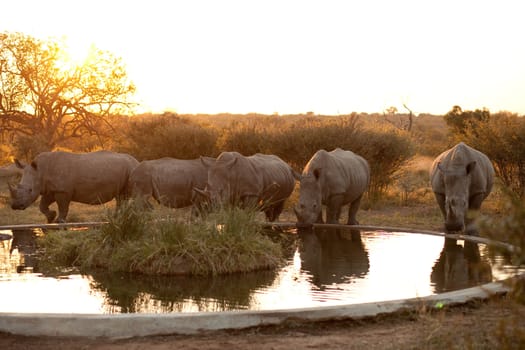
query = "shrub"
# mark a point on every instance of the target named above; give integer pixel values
(502, 139)
(386, 149)
(168, 135)
(460, 121)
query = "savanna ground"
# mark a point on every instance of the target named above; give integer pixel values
(498, 323)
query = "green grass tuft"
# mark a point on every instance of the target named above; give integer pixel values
(226, 240)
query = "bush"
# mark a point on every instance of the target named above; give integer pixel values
(502, 139)
(168, 135)
(460, 121)
(386, 149)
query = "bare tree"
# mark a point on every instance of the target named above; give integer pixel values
(410, 118)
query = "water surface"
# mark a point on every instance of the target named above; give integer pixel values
(323, 268)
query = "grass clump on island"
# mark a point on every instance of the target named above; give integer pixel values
(226, 240)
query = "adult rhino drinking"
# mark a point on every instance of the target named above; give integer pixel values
(461, 178)
(261, 180)
(334, 179)
(63, 177)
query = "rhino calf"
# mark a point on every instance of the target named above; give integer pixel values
(461, 179)
(334, 179)
(169, 181)
(63, 177)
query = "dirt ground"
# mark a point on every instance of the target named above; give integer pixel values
(494, 324)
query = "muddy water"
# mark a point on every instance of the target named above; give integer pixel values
(323, 268)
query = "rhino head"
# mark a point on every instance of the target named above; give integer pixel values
(309, 209)
(457, 183)
(221, 183)
(28, 190)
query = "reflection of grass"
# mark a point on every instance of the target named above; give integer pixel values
(510, 229)
(228, 240)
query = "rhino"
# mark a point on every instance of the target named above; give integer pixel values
(169, 181)
(334, 179)
(461, 179)
(260, 181)
(64, 177)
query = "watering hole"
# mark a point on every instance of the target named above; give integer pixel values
(324, 268)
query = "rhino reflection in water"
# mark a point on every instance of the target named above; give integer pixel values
(461, 179)
(460, 267)
(334, 179)
(63, 177)
(259, 181)
(17, 252)
(332, 256)
(169, 181)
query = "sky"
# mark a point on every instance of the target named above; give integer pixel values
(286, 57)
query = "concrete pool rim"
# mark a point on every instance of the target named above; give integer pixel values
(118, 326)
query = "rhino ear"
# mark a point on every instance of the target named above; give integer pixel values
(19, 164)
(207, 161)
(471, 166)
(230, 163)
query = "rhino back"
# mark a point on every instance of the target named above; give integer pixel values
(270, 169)
(169, 180)
(91, 178)
(341, 172)
(174, 179)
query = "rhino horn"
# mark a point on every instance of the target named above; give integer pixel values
(203, 193)
(12, 189)
(296, 212)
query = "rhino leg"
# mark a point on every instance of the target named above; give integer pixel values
(320, 217)
(474, 204)
(352, 211)
(333, 209)
(440, 198)
(273, 212)
(63, 201)
(250, 202)
(45, 202)
(143, 201)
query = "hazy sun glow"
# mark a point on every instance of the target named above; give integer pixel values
(293, 56)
